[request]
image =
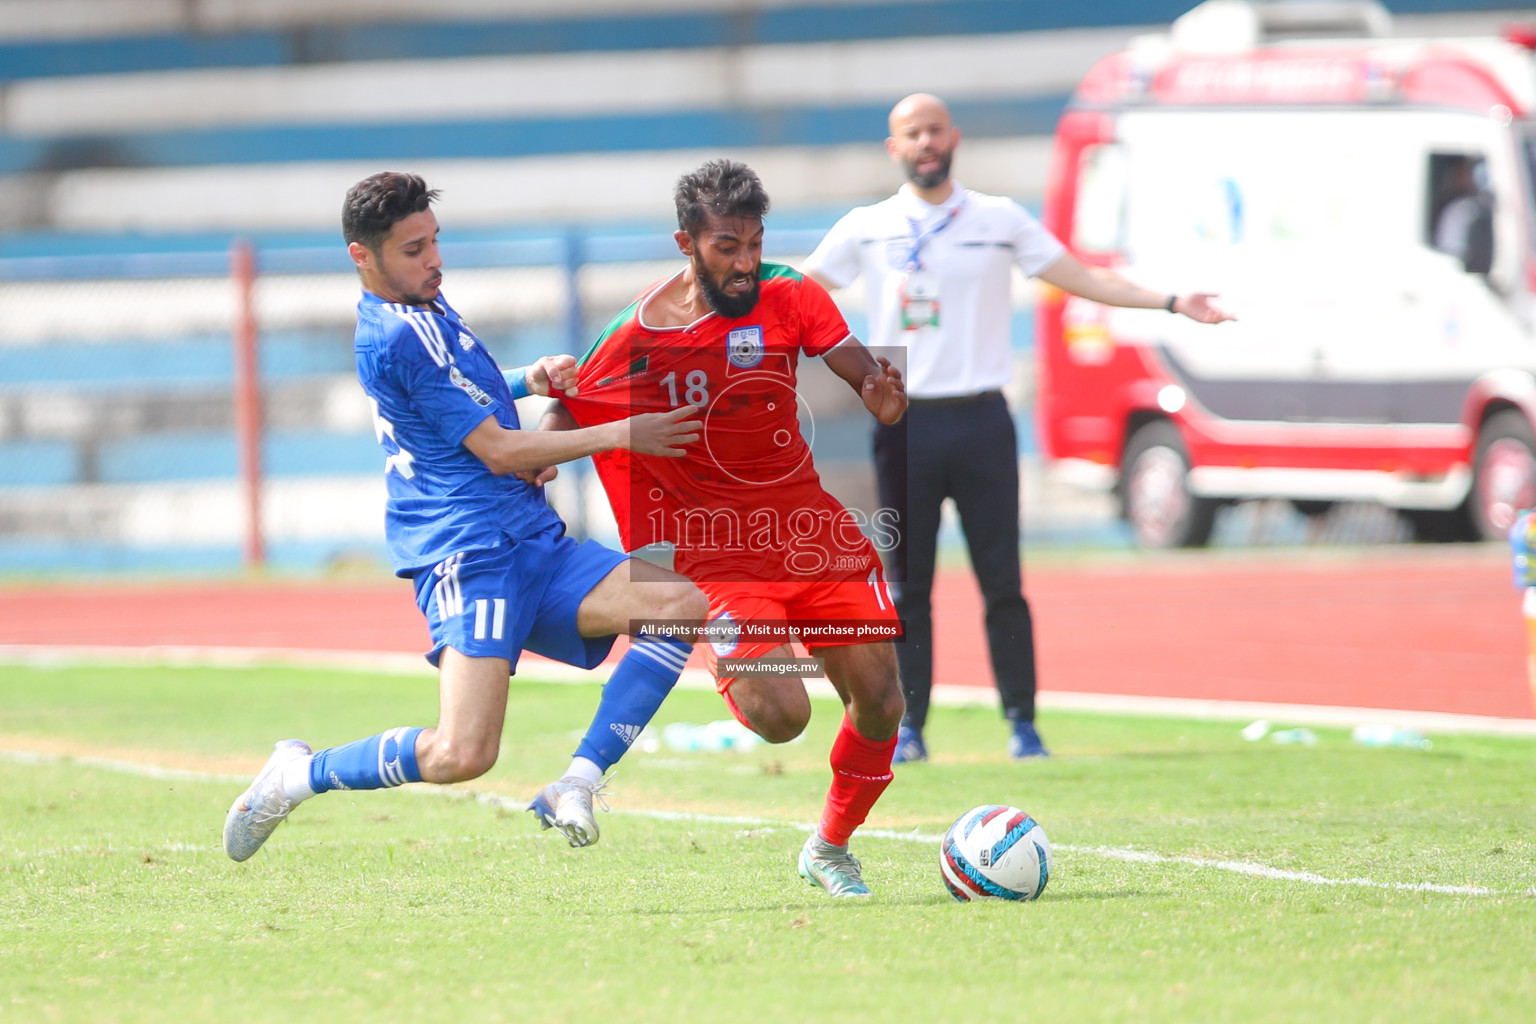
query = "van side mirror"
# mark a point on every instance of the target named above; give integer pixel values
(1479, 252)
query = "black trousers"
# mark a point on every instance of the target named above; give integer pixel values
(963, 449)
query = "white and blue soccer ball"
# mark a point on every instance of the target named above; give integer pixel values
(995, 852)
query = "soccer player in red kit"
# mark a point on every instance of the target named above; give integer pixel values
(745, 509)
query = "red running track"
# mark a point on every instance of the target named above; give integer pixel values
(1421, 629)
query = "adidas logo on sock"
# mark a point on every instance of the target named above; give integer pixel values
(627, 733)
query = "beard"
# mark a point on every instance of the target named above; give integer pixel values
(730, 307)
(421, 299)
(933, 178)
(413, 293)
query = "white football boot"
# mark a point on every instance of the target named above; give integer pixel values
(566, 804)
(263, 806)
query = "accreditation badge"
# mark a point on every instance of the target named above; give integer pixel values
(918, 294)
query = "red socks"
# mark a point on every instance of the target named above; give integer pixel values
(861, 769)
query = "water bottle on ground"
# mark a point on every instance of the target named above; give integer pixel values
(1255, 731)
(1305, 737)
(1380, 735)
(727, 734)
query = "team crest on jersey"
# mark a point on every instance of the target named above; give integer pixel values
(723, 634)
(744, 347)
(466, 340)
(468, 386)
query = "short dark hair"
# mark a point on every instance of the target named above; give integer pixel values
(374, 205)
(724, 188)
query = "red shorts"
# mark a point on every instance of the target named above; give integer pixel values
(759, 618)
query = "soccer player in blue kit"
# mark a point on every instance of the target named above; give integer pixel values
(466, 521)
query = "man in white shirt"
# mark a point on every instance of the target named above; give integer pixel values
(937, 264)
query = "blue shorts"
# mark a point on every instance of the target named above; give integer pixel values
(522, 595)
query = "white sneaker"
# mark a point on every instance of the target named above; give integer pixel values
(566, 804)
(263, 806)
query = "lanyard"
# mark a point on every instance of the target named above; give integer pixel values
(920, 237)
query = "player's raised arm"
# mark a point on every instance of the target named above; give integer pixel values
(878, 383)
(515, 451)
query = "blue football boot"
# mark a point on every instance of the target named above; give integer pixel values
(909, 746)
(1025, 742)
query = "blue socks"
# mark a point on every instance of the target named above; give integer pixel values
(633, 694)
(631, 698)
(378, 762)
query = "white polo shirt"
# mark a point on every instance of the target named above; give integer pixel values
(970, 257)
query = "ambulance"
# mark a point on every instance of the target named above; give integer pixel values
(1366, 205)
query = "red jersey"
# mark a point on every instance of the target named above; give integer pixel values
(745, 503)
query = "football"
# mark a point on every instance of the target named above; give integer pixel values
(995, 852)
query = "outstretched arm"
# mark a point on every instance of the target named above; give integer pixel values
(556, 417)
(517, 451)
(878, 383)
(545, 377)
(1100, 284)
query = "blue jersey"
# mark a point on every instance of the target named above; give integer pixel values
(431, 382)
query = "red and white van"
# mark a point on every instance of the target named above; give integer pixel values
(1367, 206)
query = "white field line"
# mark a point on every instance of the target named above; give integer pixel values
(139, 768)
(506, 803)
(1276, 874)
(540, 670)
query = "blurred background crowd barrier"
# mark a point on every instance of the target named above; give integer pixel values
(145, 143)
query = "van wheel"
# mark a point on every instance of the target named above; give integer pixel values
(1503, 474)
(1154, 491)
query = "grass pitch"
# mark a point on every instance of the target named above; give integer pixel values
(1196, 876)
